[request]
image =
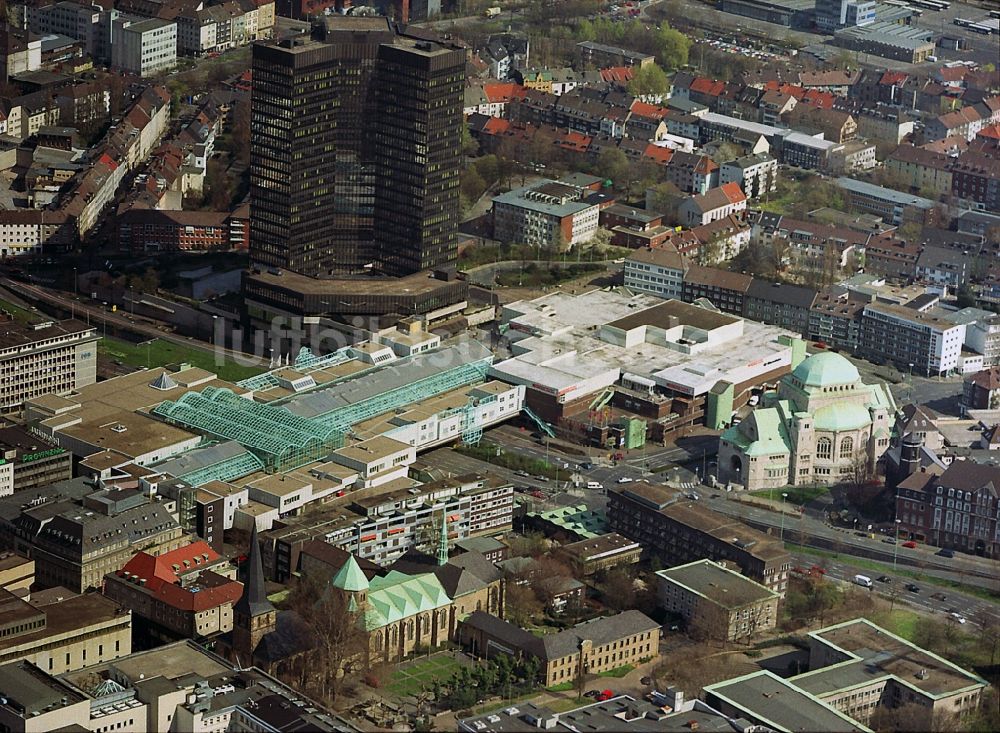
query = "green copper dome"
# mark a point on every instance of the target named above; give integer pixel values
(826, 370)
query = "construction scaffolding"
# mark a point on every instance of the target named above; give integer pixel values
(280, 439)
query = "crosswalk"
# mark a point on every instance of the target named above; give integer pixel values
(688, 485)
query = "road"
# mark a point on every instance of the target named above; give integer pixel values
(808, 528)
(968, 606)
(97, 314)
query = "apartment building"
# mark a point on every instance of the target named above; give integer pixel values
(601, 56)
(976, 177)
(956, 510)
(726, 290)
(382, 525)
(909, 339)
(717, 602)
(46, 358)
(756, 174)
(782, 305)
(144, 47)
(589, 648)
(678, 531)
(920, 169)
(89, 24)
(35, 232)
(63, 632)
(656, 271)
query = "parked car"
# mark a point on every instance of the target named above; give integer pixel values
(625, 480)
(884, 579)
(945, 552)
(959, 618)
(586, 466)
(913, 588)
(889, 540)
(938, 596)
(910, 544)
(592, 693)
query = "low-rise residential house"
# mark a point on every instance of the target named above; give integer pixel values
(945, 266)
(692, 173)
(716, 602)
(717, 203)
(718, 240)
(981, 391)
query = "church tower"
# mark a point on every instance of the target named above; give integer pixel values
(253, 615)
(351, 580)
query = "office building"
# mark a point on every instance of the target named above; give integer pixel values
(592, 647)
(834, 14)
(717, 602)
(144, 47)
(920, 342)
(44, 358)
(33, 461)
(549, 214)
(677, 531)
(180, 686)
(78, 533)
(858, 668)
(187, 593)
(62, 632)
(356, 136)
(658, 271)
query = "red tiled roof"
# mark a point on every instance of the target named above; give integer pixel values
(503, 92)
(648, 110)
(618, 74)
(574, 141)
(658, 153)
(711, 87)
(163, 581)
(893, 78)
(496, 126)
(733, 192)
(993, 131)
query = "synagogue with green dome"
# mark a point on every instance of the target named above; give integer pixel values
(823, 425)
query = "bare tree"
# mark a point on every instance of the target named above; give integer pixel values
(339, 634)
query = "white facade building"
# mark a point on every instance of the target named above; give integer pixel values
(144, 47)
(655, 271)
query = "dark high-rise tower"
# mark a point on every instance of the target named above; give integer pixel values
(355, 140)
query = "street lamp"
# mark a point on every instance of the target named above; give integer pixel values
(895, 546)
(784, 497)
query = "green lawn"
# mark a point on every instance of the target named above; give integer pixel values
(901, 570)
(900, 622)
(617, 672)
(562, 706)
(414, 678)
(796, 494)
(20, 314)
(159, 353)
(561, 687)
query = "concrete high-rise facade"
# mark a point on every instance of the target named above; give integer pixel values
(356, 137)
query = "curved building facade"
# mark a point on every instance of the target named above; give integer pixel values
(822, 426)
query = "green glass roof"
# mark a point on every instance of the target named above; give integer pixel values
(826, 370)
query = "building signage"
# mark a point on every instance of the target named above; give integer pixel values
(29, 457)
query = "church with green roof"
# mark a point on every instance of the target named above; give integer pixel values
(823, 425)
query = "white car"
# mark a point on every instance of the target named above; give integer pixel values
(625, 480)
(959, 618)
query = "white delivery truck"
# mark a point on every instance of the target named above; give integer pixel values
(863, 580)
(492, 12)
